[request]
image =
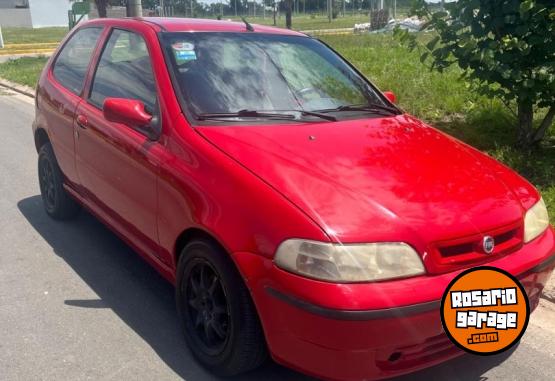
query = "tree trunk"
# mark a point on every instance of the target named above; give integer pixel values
(134, 8)
(525, 123)
(101, 7)
(544, 126)
(288, 8)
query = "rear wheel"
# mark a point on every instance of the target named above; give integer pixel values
(220, 323)
(57, 202)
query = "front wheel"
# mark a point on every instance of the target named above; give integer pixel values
(220, 323)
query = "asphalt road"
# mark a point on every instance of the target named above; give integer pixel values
(76, 303)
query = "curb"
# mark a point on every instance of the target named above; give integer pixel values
(21, 89)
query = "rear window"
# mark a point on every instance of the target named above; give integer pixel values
(73, 61)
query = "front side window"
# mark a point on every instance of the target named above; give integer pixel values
(73, 61)
(124, 71)
(220, 73)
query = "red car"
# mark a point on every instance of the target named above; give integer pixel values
(297, 210)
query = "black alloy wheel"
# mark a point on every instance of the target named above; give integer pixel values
(219, 320)
(208, 310)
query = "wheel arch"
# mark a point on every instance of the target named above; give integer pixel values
(194, 233)
(41, 138)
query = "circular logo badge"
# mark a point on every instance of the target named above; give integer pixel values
(488, 244)
(485, 310)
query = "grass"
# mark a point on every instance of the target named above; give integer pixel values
(33, 36)
(25, 71)
(317, 20)
(311, 23)
(391, 67)
(28, 40)
(440, 99)
(54, 35)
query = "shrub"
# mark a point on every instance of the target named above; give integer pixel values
(505, 47)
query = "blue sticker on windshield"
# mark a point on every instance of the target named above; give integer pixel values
(184, 52)
(185, 55)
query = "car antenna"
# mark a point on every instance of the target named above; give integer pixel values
(247, 25)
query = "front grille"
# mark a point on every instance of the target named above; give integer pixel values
(453, 254)
(504, 241)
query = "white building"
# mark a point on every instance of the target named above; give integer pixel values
(34, 13)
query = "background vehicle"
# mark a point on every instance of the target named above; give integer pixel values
(304, 214)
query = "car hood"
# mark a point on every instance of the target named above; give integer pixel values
(381, 179)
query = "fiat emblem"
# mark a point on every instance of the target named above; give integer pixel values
(488, 244)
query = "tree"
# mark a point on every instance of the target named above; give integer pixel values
(506, 48)
(288, 9)
(101, 6)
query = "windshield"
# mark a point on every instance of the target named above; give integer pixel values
(230, 73)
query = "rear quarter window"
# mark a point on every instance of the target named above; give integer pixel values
(70, 67)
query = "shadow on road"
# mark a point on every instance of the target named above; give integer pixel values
(144, 300)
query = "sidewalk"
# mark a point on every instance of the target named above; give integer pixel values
(4, 58)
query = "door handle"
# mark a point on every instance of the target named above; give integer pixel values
(82, 121)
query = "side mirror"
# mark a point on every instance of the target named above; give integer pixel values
(390, 96)
(126, 111)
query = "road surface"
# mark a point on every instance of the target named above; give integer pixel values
(77, 304)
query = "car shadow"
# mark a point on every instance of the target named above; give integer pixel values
(143, 300)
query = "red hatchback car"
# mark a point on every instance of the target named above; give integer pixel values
(296, 209)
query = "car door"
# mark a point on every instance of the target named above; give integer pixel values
(117, 165)
(59, 95)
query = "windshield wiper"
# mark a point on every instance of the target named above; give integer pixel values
(263, 114)
(372, 107)
(320, 115)
(245, 114)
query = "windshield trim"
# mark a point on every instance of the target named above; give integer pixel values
(193, 120)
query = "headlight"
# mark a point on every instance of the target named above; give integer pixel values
(536, 221)
(348, 263)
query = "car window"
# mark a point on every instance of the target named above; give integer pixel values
(124, 71)
(71, 65)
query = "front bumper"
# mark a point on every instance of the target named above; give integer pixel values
(372, 330)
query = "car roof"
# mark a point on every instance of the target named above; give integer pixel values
(178, 24)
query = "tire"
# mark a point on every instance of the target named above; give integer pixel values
(57, 202)
(219, 321)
